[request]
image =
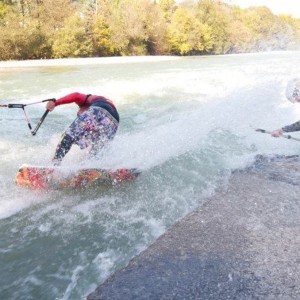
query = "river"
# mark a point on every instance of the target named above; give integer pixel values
(186, 122)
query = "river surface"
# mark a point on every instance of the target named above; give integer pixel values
(185, 122)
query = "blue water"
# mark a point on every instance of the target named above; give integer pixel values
(185, 122)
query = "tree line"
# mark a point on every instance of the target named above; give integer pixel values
(40, 29)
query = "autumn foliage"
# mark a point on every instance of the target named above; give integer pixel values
(36, 29)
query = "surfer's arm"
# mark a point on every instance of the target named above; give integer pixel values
(289, 128)
(62, 149)
(77, 98)
(293, 127)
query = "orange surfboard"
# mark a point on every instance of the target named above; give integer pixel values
(43, 178)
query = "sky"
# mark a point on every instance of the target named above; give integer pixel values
(287, 7)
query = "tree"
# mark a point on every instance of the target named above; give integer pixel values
(212, 14)
(168, 7)
(102, 36)
(240, 35)
(128, 31)
(75, 28)
(4, 9)
(28, 27)
(260, 21)
(186, 34)
(72, 40)
(289, 35)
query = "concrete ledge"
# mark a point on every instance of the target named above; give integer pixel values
(243, 243)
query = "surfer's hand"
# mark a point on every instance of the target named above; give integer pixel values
(277, 133)
(50, 105)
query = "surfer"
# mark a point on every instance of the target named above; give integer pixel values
(95, 125)
(293, 94)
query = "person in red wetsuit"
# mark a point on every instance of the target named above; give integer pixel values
(96, 124)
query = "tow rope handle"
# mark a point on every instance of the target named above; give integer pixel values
(33, 132)
(287, 136)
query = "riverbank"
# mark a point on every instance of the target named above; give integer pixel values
(243, 243)
(83, 61)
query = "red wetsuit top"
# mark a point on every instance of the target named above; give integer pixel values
(82, 100)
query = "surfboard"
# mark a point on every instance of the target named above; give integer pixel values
(43, 178)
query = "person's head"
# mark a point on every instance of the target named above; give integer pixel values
(292, 91)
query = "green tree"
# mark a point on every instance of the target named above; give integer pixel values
(260, 21)
(212, 14)
(28, 27)
(72, 40)
(22, 40)
(240, 35)
(4, 9)
(186, 34)
(168, 7)
(289, 35)
(102, 36)
(133, 27)
(128, 31)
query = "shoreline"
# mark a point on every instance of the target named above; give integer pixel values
(84, 61)
(116, 59)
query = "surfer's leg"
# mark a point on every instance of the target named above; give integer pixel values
(62, 148)
(106, 130)
(96, 147)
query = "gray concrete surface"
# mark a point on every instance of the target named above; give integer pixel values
(243, 243)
